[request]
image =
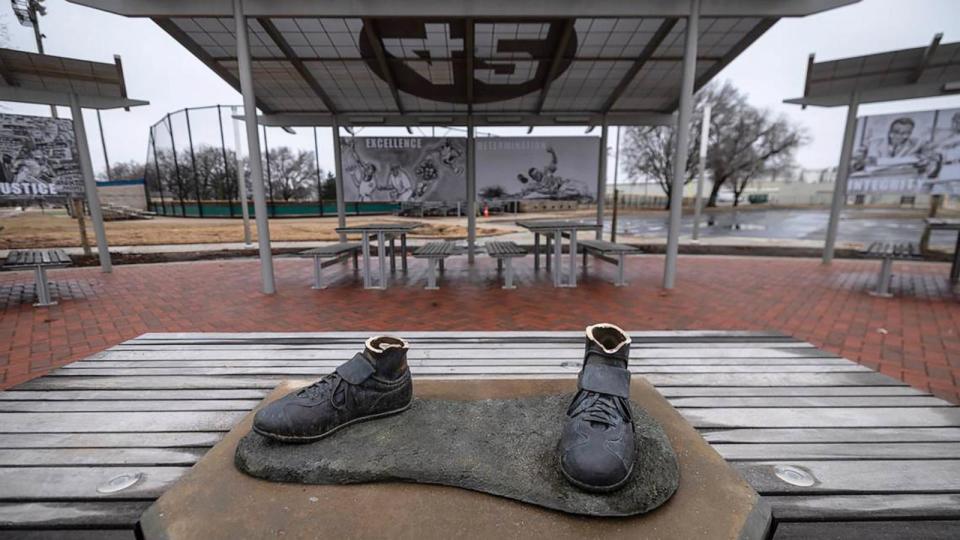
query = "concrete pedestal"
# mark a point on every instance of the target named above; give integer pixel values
(215, 500)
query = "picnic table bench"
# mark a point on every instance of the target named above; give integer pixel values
(505, 251)
(887, 252)
(332, 251)
(39, 260)
(434, 252)
(837, 450)
(608, 252)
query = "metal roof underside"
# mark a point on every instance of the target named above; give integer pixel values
(50, 80)
(500, 61)
(920, 72)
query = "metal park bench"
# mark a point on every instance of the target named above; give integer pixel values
(887, 252)
(333, 251)
(39, 260)
(505, 251)
(608, 252)
(433, 252)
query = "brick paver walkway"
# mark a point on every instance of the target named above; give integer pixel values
(915, 336)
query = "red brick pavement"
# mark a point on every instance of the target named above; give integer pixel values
(914, 337)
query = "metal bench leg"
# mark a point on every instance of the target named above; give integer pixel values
(499, 264)
(381, 258)
(441, 264)
(557, 255)
(365, 243)
(355, 263)
(883, 283)
(318, 274)
(549, 256)
(508, 277)
(536, 252)
(573, 259)
(403, 252)
(584, 261)
(432, 274)
(620, 281)
(393, 254)
(43, 288)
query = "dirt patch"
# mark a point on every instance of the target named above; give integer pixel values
(55, 228)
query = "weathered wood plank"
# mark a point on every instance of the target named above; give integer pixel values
(787, 391)
(69, 534)
(574, 353)
(811, 401)
(858, 507)
(853, 417)
(111, 440)
(524, 334)
(60, 457)
(270, 381)
(832, 435)
(128, 406)
(873, 476)
(21, 484)
(752, 363)
(841, 451)
(96, 422)
(129, 395)
(869, 530)
(67, 515)
(463, 345)
(428, 370)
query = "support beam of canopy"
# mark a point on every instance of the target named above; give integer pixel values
(287, 50)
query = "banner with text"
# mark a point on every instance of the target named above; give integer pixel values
(402, 169)
(530, 168)
(38, 158)
(916, 152)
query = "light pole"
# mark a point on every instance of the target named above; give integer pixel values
(28, 12)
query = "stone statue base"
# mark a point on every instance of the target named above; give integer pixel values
(215, 500)
(504, 447)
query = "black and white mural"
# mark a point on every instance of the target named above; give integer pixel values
(915, 152)
(38, 158)
(403, 169)
(530, 168)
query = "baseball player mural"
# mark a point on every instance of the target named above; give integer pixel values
(38, 158)
(916, 152)
(401, 169)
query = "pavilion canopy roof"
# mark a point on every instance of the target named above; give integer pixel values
(41, 78)
(928, 71)
(516, 63)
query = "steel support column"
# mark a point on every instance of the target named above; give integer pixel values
(602, 177)
(268, 285)
(90, 184)
(682, 140)
(701, 177)
(840, 186)
(338, 165)
(241, 178)
(471, 192)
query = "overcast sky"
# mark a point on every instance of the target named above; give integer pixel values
(159, 70)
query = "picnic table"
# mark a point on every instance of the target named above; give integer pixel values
(381, 231)
(39, 260)
(947, 224)
(836, 449)
(557, 230)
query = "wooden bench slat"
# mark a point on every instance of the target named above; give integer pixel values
(604, 246)
(858, 507)
(870, 530)
(332, 250)
(136, 439)
(50, 514)
(81, 483)
(856, 476)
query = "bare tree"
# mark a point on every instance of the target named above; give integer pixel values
(648, 153)
(293, 175)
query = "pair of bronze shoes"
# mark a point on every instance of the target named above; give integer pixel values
(596, 450)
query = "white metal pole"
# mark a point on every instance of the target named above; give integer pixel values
(241, 178)
(701, 178)
(471, 191)
(89, 183)
(338, 165)
(840, 186)
(616, 174)
(680, 151)
(253, 149)
(602, 178)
